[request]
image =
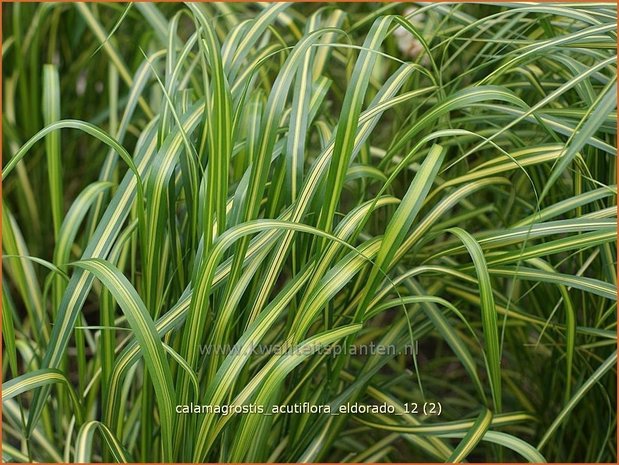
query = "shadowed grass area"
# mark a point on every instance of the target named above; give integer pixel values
(211, 209)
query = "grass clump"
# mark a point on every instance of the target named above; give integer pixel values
(228, 204)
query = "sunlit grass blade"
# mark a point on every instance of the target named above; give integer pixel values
(146, 333)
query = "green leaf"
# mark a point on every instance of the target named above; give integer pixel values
(145, 332)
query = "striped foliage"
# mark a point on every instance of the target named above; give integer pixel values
(268, 204)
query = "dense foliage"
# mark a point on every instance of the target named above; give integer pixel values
(436, 182)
